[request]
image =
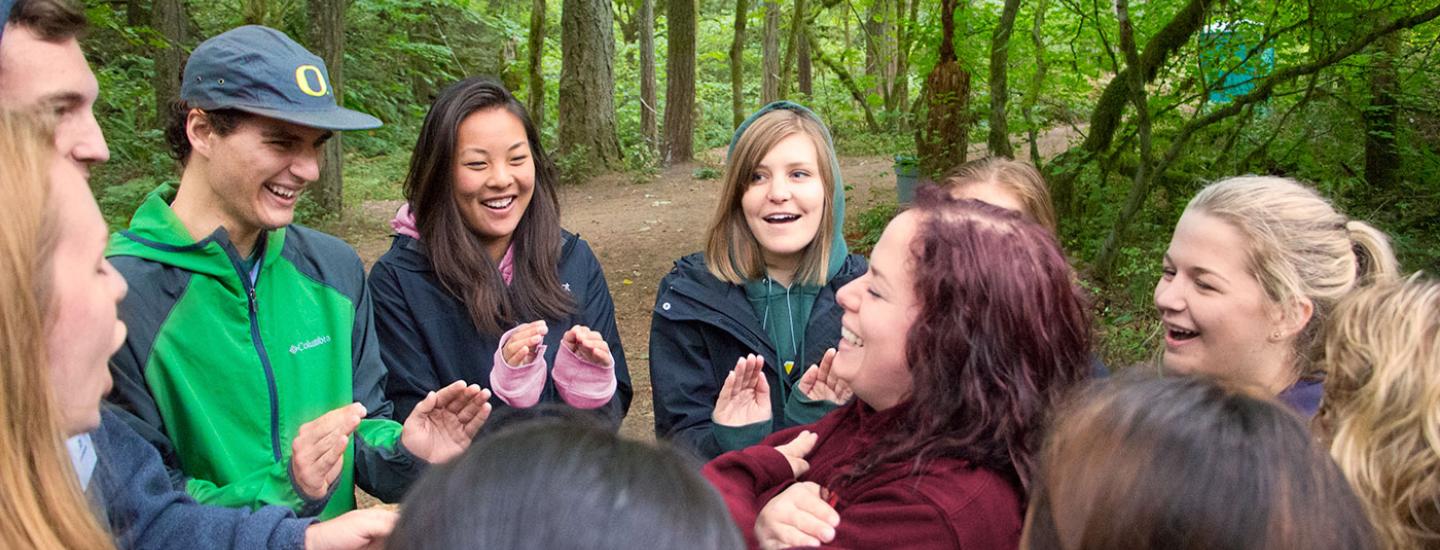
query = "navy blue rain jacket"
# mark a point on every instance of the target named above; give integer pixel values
(428, 340)
(700, 326)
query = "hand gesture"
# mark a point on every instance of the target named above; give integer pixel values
(745, 397)
(317, 454)
(587, 344)
(796, 450)
(360, 529)
(798, 516)
(524, 344)
(820, 383)
(442, 425)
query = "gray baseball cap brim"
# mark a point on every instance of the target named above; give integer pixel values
(338, 118)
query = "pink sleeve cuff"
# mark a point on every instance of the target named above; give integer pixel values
(518, 386)
(582, 384)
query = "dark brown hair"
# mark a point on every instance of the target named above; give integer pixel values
(1188, 462)
(222, 121)
(1002, 334)
(456, 253)
(51, 20)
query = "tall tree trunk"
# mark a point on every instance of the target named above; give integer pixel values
(677, 145)
(737, 64)
(804, 68)
(537, 63)
(877, 56)
(135, 13)
(647, 75)
(586, 123)
(856, 93)
(942, 139)
(1382, 117)
(1140, 184)
(999, 80)
(1037, 82)
(168, 19)
(904, 41)
(327, 27)
(770, 81)
(792, 47)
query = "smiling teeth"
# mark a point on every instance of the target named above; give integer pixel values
(851, 337)
(781, 217)
(498, 203)
(284, 193)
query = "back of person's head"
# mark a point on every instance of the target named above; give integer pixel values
(1301, 248)
(732, 252)
(456, 252)
(1382, 405)
(41, 505)
(1187, 462)
(561, 484)
(51, 20)
(1017, 179)
(1002, 334)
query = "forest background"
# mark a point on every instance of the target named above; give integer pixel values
(1157, 99)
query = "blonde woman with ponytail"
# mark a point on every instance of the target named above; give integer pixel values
(41, 505)
(1382, 406)
(1253, 272)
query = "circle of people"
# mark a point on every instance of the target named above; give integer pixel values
(943, 393)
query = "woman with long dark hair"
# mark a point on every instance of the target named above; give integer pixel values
(957, 342)
(481, 283)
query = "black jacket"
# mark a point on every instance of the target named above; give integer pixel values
(700, 326)
(428, 340)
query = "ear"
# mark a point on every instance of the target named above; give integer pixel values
(199, 131)
(1293, 318)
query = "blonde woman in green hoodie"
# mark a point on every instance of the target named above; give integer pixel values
(753, 317)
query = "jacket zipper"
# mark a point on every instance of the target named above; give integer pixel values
(260, 347)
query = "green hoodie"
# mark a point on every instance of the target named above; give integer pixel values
(222, 364)
(784, 312)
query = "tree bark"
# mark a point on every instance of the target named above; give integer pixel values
(648, 129)
(677, 145)
(1037, 82)
(135, 15)
(737, 64)
(537, 63)
(904, 41)
(999, 80)
(327, 24)
(770, 81)
(804, 66)
(168, 19)
(586, 123)
(1140, 184)
(942, 139)
(792, 47)
(856, 93)
(1382, 117)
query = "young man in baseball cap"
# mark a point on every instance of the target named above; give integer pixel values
(251, 361)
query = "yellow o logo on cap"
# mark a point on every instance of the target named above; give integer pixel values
(302, 78)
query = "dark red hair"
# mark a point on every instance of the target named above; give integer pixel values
(1002, 335)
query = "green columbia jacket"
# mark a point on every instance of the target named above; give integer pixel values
(219, 372)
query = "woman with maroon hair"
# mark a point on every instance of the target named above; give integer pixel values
(964, 333)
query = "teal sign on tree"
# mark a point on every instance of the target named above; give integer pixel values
(1230, 61)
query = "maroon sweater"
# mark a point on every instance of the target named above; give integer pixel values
(947, 504)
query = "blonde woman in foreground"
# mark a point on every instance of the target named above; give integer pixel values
(1382, 406)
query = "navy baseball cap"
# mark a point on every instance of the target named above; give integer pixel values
(259, 70)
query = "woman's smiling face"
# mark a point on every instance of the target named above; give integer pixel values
(880, 307)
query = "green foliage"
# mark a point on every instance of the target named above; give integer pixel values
(706, 173)
(864, 230)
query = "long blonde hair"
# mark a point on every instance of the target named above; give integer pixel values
(1301, 248)
(1382, 406)
(41, 505)
(732, 254)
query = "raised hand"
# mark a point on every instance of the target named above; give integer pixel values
(442, 425)
(796, 450)
(798, 516)
(359, 529)
(317, 454)
(820, 383)
(587, 344)
(524, 344)
(745, 396)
